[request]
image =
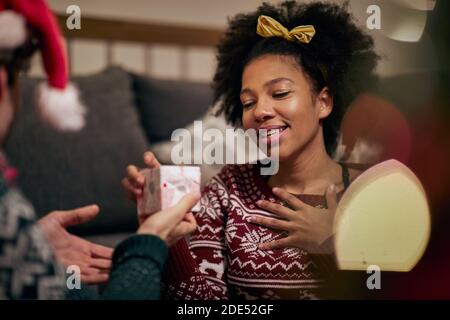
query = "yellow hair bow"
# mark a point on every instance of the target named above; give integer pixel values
(269, 27)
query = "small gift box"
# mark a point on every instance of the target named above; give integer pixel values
(165, 186)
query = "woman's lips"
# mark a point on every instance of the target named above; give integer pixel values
(269, 136)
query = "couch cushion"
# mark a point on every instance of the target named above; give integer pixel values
(166, 105)
(69, 170)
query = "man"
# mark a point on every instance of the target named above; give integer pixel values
(33, 254)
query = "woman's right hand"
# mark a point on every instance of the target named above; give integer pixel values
(173, 223)
(134, 180)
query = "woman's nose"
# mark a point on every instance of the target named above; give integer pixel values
(263, 112)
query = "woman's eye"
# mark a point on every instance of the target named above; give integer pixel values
(281, 94)
(248, 104)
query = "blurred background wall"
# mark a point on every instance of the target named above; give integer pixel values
(401, 41)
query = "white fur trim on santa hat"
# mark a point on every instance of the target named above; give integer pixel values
(61, 108)
(12, 29)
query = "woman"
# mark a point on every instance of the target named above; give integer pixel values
(291, 69)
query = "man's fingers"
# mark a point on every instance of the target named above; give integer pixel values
(88, 269)
(184, 229)
(165, 221)
(189, 217)
(135, 178)
(85, 267)
(77, 216)
(95, 278)
(83, 264)
(99, 251)
(94, 250)
(189, 220)
(150, 160)
(173, 215)
(185, 205)
(87, 263)
(104, 264)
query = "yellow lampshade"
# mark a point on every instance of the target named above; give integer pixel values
(382, 219)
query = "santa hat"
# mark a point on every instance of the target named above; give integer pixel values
(58, 100)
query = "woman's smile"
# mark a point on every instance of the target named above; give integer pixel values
(272, 134)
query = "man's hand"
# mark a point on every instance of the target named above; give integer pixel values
(173, 223)
(94, 260)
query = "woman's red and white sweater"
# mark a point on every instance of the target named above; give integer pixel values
(222, 259)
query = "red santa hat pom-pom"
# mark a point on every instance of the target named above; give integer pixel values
(12, 29)
(61, 107)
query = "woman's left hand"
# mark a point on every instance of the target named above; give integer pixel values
(308, 227)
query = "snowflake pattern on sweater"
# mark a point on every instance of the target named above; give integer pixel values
(28, 269)
(223, 260)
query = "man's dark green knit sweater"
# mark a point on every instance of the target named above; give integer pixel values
(138, 264)
(137, 267)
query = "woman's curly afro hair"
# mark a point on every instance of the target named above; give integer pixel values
(340, 56)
